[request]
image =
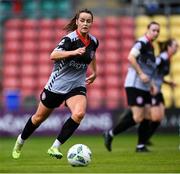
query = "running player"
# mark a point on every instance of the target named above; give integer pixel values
(67, 82)
(138, 84)
(147, 128)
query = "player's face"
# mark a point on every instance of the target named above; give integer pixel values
(84, 23)
(174, 47)
(153, 31)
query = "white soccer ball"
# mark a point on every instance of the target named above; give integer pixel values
(79, 155)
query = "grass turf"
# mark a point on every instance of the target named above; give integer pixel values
(163, 158)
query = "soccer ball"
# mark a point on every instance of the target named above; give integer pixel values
(79, 155)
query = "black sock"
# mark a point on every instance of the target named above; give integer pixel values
(126, 122)
(67, 130)
(153, 127)
(28, 129)
(143, 131)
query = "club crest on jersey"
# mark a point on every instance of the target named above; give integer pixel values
(139, 100)
(43, 96)
(153, 101)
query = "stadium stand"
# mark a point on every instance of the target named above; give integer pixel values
(28, 40)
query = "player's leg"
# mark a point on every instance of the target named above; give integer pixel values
(77, 105)
(129, 118)
(32, 124)
(125, 122)
(157, 114)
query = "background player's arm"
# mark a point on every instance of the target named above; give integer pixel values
(90, 79)
(132, 59)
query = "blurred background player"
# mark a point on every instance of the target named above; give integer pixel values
(139, 85)
(148, 127)
(67, 82)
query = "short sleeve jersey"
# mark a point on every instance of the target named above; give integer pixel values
(70, 73)
(163, 68)
(146, 61)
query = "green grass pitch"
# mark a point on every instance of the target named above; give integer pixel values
(163, 158)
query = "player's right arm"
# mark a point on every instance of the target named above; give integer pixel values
(132, 57)
(63, 50)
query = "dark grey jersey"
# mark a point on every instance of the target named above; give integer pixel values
(146, 61)
(70, 73)
(163, 67)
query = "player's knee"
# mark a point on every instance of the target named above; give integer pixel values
(37, 119)
(157, 118)
(137, 118)
(78, 116)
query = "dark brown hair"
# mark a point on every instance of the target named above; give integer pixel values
(71, 26)
(163, 46)
(152, 23)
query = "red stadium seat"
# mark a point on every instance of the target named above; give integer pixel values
(12, 34)
(28, 70)
(97, 32)
(29, 34)
(13, 23)
(41, 82)
(46, 46)
(98, 83)
(60, 23)
(29, 46)
(44, 58)
(113, 81)
(95, 98)
(112, 98)
(100, 57)
(112, 45)
(46, 34)
(127, 44)
(28, 83)
(127, 33)
(12, 46)
(111, 33)
(29, 58)
(46, 23)
(98, 23)
(111, 21)
(112, 56)
(112, 69)
(44, 69)
(30, 24)
(100, 69)
(11, 58)
(11, 83)
(126, 21)
(10, 70)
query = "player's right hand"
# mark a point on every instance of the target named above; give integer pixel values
(144, 78)
(80, 51)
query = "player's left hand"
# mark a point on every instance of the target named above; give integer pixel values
(90, 79)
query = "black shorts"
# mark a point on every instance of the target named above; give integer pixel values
(53, 100)
(157, 99)
(137, 97)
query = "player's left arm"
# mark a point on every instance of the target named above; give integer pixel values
(90, 79)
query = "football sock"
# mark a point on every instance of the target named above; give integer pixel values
(152, 128)
(20, 140)
(126, 122)
(143, 131)
(67, 130)
(28, 129)
(56, 143)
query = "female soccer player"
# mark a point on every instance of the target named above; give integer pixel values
(147, 128)
(67, 82)
(138, 83)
